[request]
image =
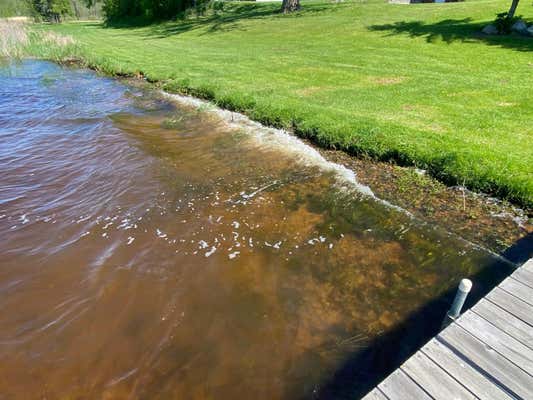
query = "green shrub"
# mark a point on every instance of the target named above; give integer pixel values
(15, 8)
(151, 9)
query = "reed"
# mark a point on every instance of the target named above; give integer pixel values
(13, 38)
(18, 39)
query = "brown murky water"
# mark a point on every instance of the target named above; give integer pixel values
(149, 251)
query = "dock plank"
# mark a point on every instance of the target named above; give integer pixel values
(472, 379)
(486, 353)
(398, 386)
(524, 276)
(518, 289)
(375, 394)
(435, 381)
(498, 340)
(528, 266)
(505, 321)
(511, 304)
(493, 365)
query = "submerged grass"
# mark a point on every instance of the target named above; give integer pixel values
(417, 84)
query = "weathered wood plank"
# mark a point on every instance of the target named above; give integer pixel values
(500, 341)
(435, 381)
(524, 276)
(528, 266)
(486, 354)
(511, 304)
(472, 379)
(496, 367)
(505, 321)
(523, 292)
(398, 386)
(375, 394)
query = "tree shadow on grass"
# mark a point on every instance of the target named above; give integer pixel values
(365, 369)
(455, 30)
(220, 21)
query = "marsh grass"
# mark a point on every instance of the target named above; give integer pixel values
(18, 39)
(13, 38)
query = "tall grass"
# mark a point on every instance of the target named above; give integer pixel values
(13, 38)
(17, 40)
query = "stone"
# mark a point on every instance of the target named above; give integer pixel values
(530, 30)
(490, 30)
(519, 26)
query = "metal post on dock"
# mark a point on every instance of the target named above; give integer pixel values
(455, 310)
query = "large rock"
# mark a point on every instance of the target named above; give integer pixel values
(519, 27)
(530, 30)
(490, 30)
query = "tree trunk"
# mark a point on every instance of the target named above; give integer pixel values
(512, 10)
(289, 6)
(76, 10)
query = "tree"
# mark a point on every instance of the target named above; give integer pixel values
(512, 10)
(60, 8)
(289, 6)
(52, 10)
(148, 9)
(15, 8)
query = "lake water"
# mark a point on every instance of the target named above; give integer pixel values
(149, 250)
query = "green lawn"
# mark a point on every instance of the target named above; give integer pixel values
(416, 84)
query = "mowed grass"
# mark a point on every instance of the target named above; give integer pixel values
(415, 84)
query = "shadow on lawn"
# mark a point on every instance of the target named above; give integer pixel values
(453, 30)
(364, 369)
(220, 21)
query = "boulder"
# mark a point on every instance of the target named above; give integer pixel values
(490, 30)
(519, 26)
(530, 30)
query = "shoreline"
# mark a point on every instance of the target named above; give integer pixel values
(481, 213)
(479, 218)
(372, 119)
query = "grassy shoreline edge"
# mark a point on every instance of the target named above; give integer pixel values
(272, 121)
(361, 143)
(437, 168)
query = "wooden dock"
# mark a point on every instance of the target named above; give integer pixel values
(487, 353)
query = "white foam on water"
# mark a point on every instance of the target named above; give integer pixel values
(122, 377)
(231, 256)
(283, 141)
(211, 252)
